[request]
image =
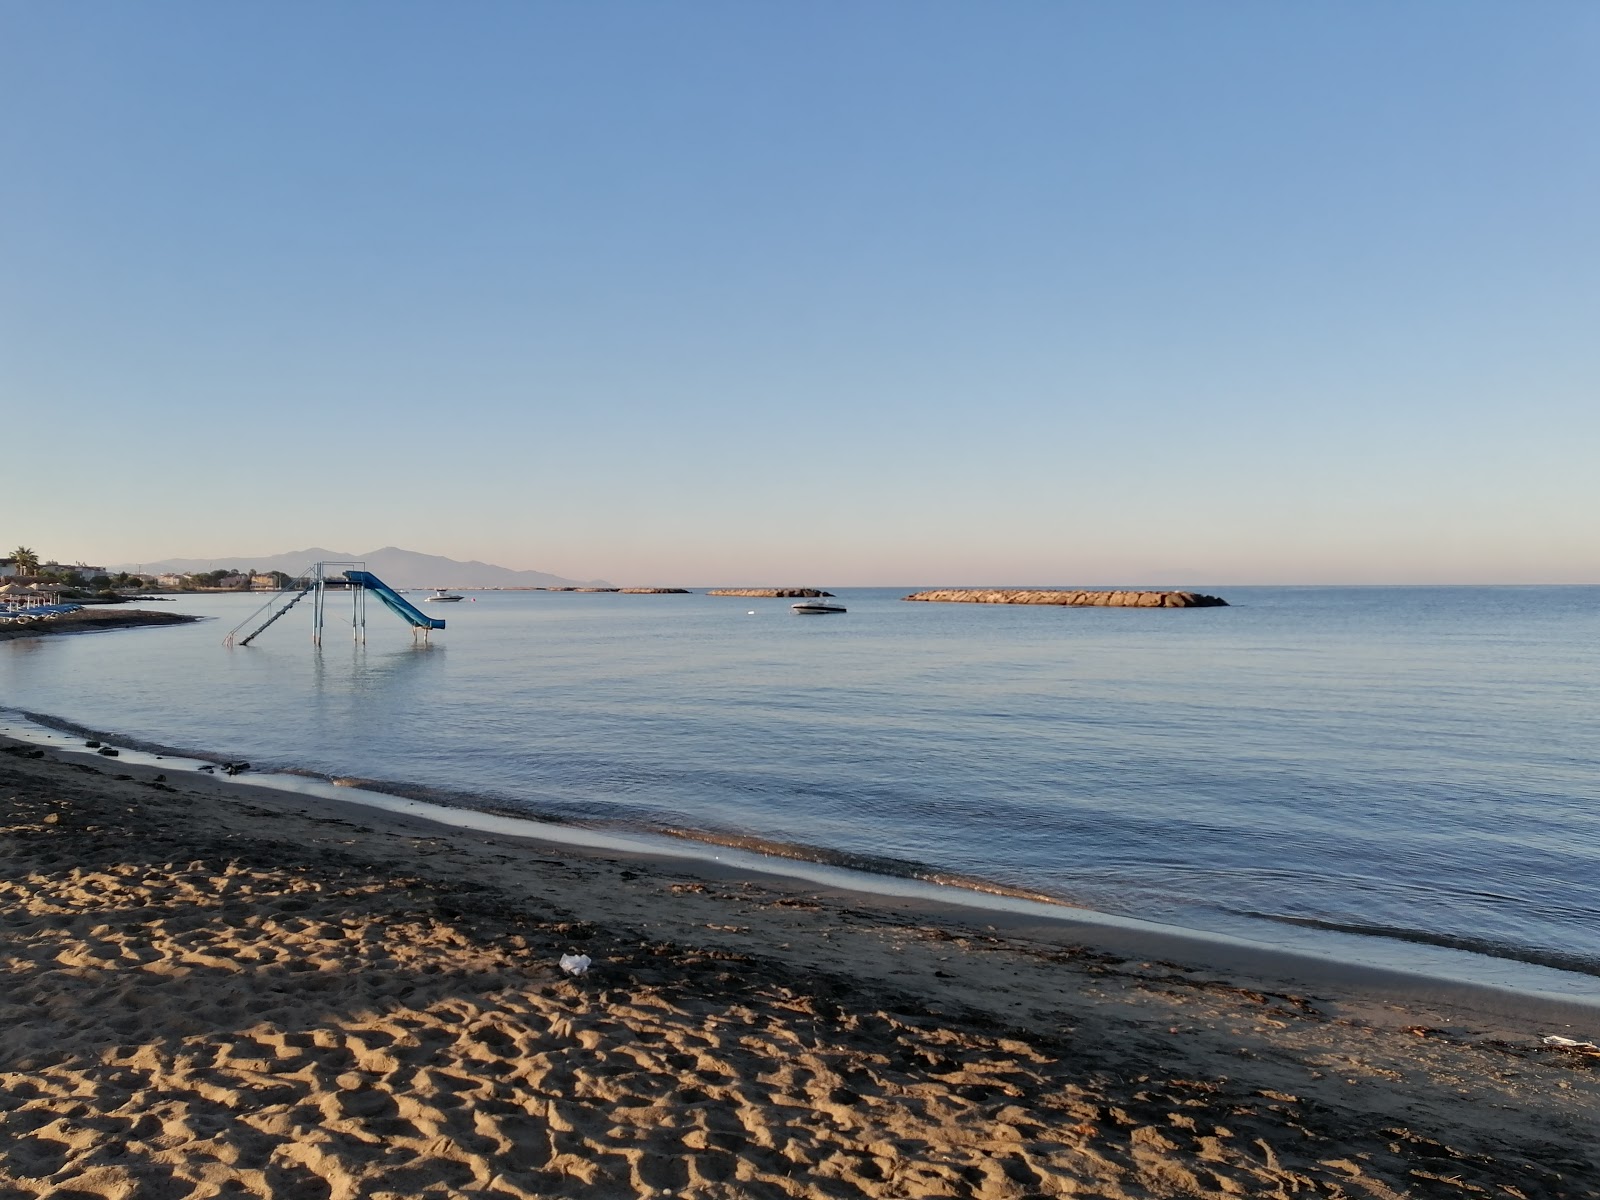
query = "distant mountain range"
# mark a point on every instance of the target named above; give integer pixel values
(396, 567)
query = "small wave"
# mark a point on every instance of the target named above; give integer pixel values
(870, 864)
(521, 809)
(143, 746)
(1539, 956)
(525, 810)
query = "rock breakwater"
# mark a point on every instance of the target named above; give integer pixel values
(625, 591)
(1064, 597)
(771, 593)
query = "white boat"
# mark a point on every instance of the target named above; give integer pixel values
(816, 605)
(440, 596)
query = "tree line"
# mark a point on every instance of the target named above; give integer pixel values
(27, 564)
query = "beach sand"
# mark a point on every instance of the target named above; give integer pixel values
(218, 990)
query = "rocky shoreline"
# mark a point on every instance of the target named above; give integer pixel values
(1063, 597)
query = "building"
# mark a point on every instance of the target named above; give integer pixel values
(82, 570)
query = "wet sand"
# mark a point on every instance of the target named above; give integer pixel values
(213, 989)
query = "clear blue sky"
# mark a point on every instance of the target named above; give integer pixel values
(898, 292)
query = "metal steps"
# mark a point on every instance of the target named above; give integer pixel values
(258, 630)
(233, 638)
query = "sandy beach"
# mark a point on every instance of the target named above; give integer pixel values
(213, 989)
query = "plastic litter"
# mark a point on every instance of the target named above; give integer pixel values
(1555, 1039)
(575, 964)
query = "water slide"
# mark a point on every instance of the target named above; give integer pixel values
(393, 600)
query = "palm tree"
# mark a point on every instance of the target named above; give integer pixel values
(25, 560)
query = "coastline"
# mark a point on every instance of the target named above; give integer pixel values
(738, 1034)
(95, 620)
(1424, 971)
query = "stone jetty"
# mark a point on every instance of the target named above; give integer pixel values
(771, 593)
(628, 591)
(1072, 599)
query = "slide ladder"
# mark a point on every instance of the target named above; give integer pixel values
(276, 607)
(393, 601)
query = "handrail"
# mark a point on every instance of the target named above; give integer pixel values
(300, 584)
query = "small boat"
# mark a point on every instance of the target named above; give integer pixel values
(817, 605)
(440, 596)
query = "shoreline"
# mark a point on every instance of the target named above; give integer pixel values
(1046, 920)
(395, 982)
(914, 883)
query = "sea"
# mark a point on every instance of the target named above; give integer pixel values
(1406, 777)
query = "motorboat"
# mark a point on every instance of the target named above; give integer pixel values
(816, 605)
(440, 596)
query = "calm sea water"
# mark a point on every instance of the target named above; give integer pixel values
(1404, 776)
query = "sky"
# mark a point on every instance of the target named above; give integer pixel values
(718, 291)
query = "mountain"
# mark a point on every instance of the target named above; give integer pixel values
(396, 567)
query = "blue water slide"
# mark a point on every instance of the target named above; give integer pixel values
(393, 600)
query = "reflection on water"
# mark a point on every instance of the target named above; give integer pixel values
(366, 666)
